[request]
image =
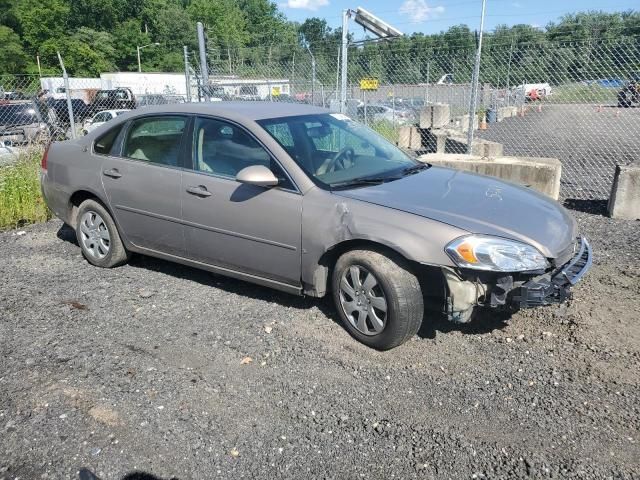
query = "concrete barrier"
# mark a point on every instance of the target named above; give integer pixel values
(624, 201)
(464, 123)
(435, 116)
(541, 174)
(410, 138)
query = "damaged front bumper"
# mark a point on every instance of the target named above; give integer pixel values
(555, 287)
(466, 290)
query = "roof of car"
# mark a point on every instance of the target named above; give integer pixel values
(250, 110)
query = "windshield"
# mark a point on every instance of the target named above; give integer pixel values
(18, 114)
(336, 151)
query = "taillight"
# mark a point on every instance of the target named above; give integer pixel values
(43, 163)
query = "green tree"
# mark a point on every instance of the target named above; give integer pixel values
(13, 58)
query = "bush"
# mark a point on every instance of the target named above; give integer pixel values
(21, 200)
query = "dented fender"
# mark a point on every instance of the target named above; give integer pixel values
(329, 220)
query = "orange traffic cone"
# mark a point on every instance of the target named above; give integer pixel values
(539, 107)
(483, 122)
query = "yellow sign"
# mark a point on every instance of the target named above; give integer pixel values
(369, 84)
(275, 91)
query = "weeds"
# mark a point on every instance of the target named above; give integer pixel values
(21, 200)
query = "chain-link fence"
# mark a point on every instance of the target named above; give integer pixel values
(573, 101)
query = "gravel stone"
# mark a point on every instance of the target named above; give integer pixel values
(457, 401)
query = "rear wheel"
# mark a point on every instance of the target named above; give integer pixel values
(98, 236)
(378, 298)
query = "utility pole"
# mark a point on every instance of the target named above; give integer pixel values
(187, 77)
(204, 69)
(474, 83)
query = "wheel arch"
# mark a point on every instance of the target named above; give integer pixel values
(76, 199)
(324, 268)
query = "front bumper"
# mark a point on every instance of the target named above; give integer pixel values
(555, 287)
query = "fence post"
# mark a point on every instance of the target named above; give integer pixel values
(187, 77)
(344, 64)
(474, 83)
(204, 68)
(65, 77)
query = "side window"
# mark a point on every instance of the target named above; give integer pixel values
(225, 149)
(105, 144)
(155, 140)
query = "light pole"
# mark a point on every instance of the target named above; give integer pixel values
(138, 48)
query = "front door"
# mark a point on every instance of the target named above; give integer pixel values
(252, 229)
(143, 184)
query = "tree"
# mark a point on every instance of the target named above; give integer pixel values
(40, 21)
(13, 58)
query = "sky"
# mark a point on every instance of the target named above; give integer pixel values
(432, 16)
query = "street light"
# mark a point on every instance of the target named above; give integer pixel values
(138, 48)
(373, 24)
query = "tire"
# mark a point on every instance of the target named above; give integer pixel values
(98, 236)
(394, 283)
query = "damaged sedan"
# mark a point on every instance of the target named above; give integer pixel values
(310, 202)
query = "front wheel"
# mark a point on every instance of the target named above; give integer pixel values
(378, 298)
(98, 236)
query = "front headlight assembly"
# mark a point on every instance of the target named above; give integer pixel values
(495, 254)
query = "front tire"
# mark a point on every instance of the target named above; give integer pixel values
(377, 297)
(98, 236)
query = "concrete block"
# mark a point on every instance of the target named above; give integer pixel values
(624, 201)
(435, 116)
(464, 123)
(409, 138)
(481, 147)
(541, 174)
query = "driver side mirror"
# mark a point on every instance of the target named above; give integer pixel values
(257, 175)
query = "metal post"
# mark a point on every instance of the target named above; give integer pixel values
(139, 64)
(65, 77)
(39, 67)
(204, 68)
(509, 64)
(345, 63)
(474, 83)
(187, 77)
(426, 93)
(313, 74)
(338, 71)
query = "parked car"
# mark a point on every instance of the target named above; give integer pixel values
(79, 109)
(21, 123)
(379, 112)
(310, 202)
(100, 119)
(629, 95)
(151, 99)
(116, 99)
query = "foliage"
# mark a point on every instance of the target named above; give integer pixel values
(253, 36)
(20, 196)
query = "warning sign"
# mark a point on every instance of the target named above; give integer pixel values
(369, 84)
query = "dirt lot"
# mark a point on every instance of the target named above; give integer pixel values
(589, 141)
(147, 368)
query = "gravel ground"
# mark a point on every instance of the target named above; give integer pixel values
(165, 369)
(589, 142)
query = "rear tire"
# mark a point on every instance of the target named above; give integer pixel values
(377, 297)
(98, 236)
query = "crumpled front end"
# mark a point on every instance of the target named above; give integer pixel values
(468, 289)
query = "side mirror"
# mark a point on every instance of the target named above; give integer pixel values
(257, 175)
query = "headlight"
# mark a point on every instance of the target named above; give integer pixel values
(495, 254)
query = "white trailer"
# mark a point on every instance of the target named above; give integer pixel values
(252, 88)
(146, 83)
(79, 87)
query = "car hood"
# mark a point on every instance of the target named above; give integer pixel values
(477, 204)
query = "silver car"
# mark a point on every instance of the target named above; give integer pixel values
(310, 202)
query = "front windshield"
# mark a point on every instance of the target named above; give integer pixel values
(336, 151)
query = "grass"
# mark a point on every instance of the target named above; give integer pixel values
(387, 129)
(21, 200)
(577, 93)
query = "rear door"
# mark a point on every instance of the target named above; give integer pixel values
(143, 182)
(248, 228)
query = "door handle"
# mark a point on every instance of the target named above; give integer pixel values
(200, 191)
(113, 173)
